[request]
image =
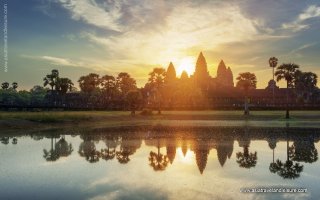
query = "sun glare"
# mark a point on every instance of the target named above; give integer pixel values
(186, 64)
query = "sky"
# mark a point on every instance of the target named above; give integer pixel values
(79, 37)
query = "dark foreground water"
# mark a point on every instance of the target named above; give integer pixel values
(160, 163)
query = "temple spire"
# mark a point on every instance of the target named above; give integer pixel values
(201, 74)
(171, 73)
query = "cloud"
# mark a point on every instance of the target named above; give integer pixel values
(299, 23)
(91, 13)
(185, 29)
(96, 65)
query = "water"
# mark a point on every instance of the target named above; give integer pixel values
(159, 163)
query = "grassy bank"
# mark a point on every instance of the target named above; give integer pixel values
(11, 121)
(124, 116)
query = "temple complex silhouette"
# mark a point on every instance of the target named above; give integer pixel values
(221, 91)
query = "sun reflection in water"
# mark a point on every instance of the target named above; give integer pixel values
(187, 158)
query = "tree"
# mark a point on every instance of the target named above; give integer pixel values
(88, 150)
(125, 83)
(38, 94)
(14, 85)
(305, 83)
(273, 62)
(108, 84)
(287, 72)
(246, 81)
(134, 98)
(287, 169)
(51, 79)
(156, 80)
(52, 154)
(63, 148)
(63, 85)
(5, 85)
(89, 83)
(158, 161)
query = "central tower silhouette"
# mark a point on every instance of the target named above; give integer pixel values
(201, 74)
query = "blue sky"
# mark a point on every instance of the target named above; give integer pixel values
(109, 36)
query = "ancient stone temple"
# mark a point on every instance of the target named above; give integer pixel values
(224, 76)
(201, 74)
(171, 74)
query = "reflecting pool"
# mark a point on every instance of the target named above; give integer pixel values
(160, 163)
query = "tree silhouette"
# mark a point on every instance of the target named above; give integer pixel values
(127, 148)
(246, 159)
(14, 141)
(5, 85)
(108, 84)
(305, 83)
(52, 154)
(51, 79)
(156, 80)
(4, 140)
(63, 148)
(246, 81)
(89, 83)
(158, 161)
(14, 85)
(64, 84)
(125, 83)
(134, 98)
(303, 150)
(88, 150)
(287, 169)
(287, 72)
(273, 62)
(109, 153)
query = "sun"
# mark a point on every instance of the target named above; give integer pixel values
(186, 64)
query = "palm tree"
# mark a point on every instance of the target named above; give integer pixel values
(287, 169)
(64, 84)
(156, 79)
(158, 161)
(14, 85)
(287, 72)
(246, 81)
(5, 85)
(273, 61)
(52, 154)
(51, 79)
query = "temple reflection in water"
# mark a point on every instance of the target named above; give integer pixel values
(122, 144)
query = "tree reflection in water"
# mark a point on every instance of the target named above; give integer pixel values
(303, 150)
(121, 145)
(88, 150)
(246, 159)
(287, 169)
(128, 147)
(58, 149)
(158, 161)
(109, 152)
